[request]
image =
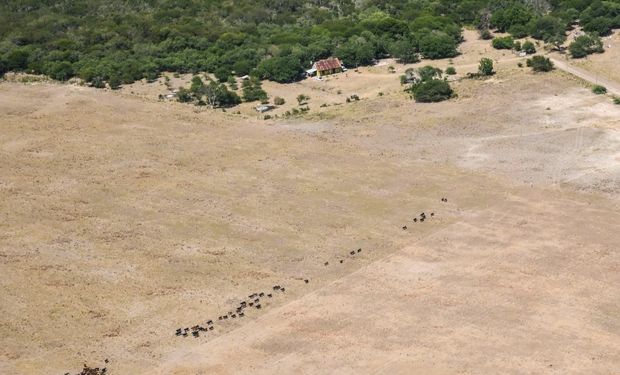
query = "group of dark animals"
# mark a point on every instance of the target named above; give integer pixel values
(423, 215)
(254, 301)
(93, 370)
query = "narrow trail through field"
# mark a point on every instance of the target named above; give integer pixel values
(612, 87)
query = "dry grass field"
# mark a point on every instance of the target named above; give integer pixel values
(123, 218)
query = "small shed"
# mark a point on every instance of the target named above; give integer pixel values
(327, 66)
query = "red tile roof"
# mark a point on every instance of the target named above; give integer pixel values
(328, 64)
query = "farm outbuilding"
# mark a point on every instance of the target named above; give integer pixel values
(326, 67)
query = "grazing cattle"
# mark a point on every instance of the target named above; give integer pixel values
(326, 264)
(405, 227)
(341, 261)
(415, 219)
(257, 300)
(225, 316)
(210, 322)
(211, 328)
(359, 250)
(233, 316)
(243, 303)
(195, 334)
(422, 220)
(352, 253)
(251, 304)
(106, 361)
(184, 334)
(282, 290)
(261, 294)
(179, 331)
(269, 295)
(276, 287)
(306, 281)
(219, 318)
(258, 306)
(241, 314)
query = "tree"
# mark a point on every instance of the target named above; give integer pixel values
(405, 50)
(585, 45)
(450, 70)
(217, 95)
(428, 72)
(60, 70)
(280, 69)
(438, 45)
(503, 42)
(356, 51)
(549, 29)
(485, 68)
(540, 63)
(3, 68)
(222, 74)
(434, 90)
(184, 96)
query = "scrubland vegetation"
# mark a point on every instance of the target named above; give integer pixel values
(113, 42)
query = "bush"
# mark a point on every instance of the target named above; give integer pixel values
(503, 42)
(278, 101)
(114, 82)
(434, 90)
(616, 100)
(485, 34)
(599, 90)
(528, 47)
(450, 70)
(485, 68)
(517, 46)
(540, 64)
(585, 45)
(302, 98)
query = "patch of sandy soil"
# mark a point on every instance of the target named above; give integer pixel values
(123, 218)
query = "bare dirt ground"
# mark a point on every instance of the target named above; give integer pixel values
(123, 219)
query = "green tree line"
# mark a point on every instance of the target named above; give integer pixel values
(120, 41)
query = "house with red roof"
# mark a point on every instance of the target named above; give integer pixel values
(326, 67)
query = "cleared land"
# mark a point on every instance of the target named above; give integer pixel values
(123, 219)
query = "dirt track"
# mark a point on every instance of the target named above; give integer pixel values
(612, 87)
(123, 219)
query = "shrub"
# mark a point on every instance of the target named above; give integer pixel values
(599, 90)
(302, 98)
(485, 68)
(503, 42)
(278, 101)
(184, 95)
(485, 34)
(528, 47)
(253, 91)
(434, 90)
(517, 46)
(450, 70)
(585, 45)
(114, 82)
(540, 64)
(616, 100)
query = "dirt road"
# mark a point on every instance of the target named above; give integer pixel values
(612, 87)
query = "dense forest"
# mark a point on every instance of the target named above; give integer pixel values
(120, 41)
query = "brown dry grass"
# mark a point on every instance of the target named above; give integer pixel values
(124, 218)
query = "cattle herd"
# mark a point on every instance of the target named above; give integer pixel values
(254, 301)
